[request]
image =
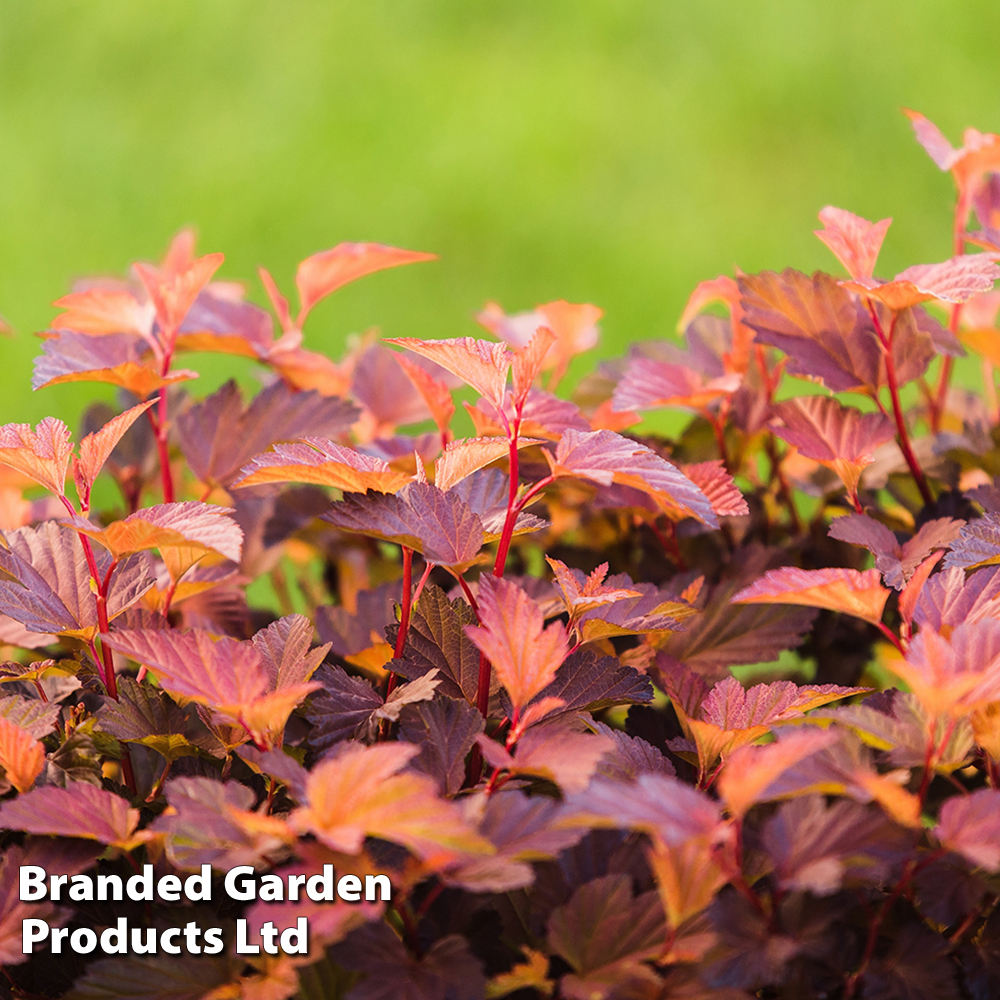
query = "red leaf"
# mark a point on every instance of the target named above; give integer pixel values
(954, 280)
(605, 457)
(97, 447)
(718, 485)
(478, 363)
(326, 271)
(360, 793)
(854, 241)
(840, 437)
(315, 460)
(846, 590)
(970, 826)
(174, 287)
(42, 454)
(512, 634)
(435, 392)
(437, 524)
(82, 810)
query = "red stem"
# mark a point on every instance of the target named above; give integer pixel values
(508, 525)
(404, 615)
(891, 636)
(937, 404)
(897, 409)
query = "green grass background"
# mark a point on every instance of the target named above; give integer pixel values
(614, 151)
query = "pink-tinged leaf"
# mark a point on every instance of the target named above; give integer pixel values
(67, 857)
(174, 288)
(840, 437)
(42, 454)
(631, 757)
(225, 675)
(718, 485)
(574, 326)
(21, 756)
(199, 527)
(117, 359)
(825, 331)
(954, 280)
(99, 310)
(360, 793)
(527, 363)
(324, 272)
(750, 771)
(225, 325)
(557, 751)
(731, 706)
(78, 811)
(970, 825)
(977, 546)
(308, 370)
(542, 416)
(649, 383)
(96, 448)
(315, 460)
(582, 593)
(955, 674)
(605, 457)
(278, 301)
(435, 392)
(897, 563)
(855, 241)
(910, 594)
(949, 599)
(219, 435)
(467, 455)
(931, 138)
(437, 524)
(285, 649)
(512, 634)
(389, 396)
(664, 807)
(478, 363)
(818, 847)
(50, 589)
(846, 590)
(37, 718)
(211, 823)
(487, 491)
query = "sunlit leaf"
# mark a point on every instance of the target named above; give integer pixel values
(512, 634)
(846, 590)
(970, 826)
(315, 460)
(21, 755)
(605, 457)
(467, 455)
(854, 241)
(478, 363)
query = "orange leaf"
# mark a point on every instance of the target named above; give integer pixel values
(95, 449)
(855, 241)
(479, 363)
(846, 590)
(463, 457)
(42, 454)
(315, 460)
(21, 755)
(174, 287)
(99, 310)
(524, 653)
(328, 270)
(527, 363)
(359, 793)
(435, 393)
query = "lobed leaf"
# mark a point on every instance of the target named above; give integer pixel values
(478, 363)
(80, 811)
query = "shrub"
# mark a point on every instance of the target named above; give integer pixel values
(524, 711)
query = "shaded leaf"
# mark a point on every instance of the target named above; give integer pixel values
(219, 435)
(96, 448)
(970, 825)
(153, 977)
(143, 714)
(80, 811)
(437, 524)
(445, 730)
(339, 708)
(36, 717)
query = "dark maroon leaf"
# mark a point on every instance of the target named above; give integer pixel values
(437, 639)
(630, 757)
(219, 435)
(351, 633)
(143, 714)
(916, 966)
(153, 977)
(977, 545)
(445, 729)
(340, 708)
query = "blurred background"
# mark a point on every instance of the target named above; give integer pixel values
(615, 153)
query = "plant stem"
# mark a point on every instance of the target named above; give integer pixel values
(897, 409)
(891, 636)
(508, 525)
